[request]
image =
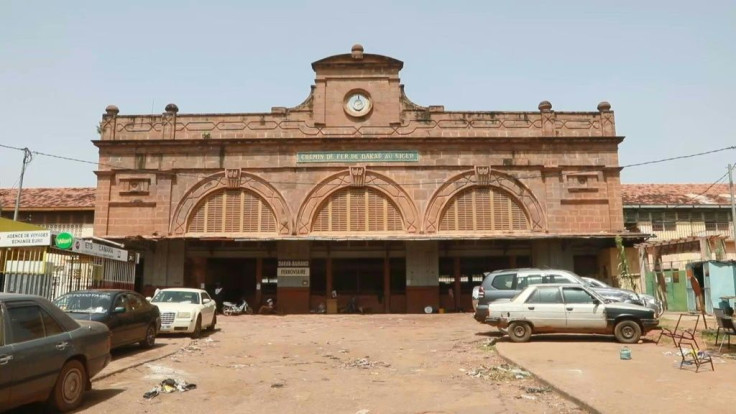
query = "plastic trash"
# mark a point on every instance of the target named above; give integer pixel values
(625, 353)
(169, 385)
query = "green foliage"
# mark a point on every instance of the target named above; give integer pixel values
(627, 280)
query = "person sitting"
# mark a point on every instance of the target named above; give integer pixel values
(268, 309)
(353, 307)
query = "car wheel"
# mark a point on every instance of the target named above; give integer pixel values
(627, 332)
(150, 340)
(227, 311)
(70, 386)
(520, 331)
(214, 322)
(197, 328)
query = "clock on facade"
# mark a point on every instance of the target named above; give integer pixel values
(358, 104)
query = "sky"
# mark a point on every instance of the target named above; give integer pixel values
(666, 67)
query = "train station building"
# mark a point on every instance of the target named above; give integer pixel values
(360, 191)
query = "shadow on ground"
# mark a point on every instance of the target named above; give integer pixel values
(560, 338)
(91, 398)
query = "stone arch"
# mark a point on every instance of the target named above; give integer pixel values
(479, 177)
(232, 179)
(356, 176)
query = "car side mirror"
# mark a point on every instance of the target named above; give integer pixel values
(596, 302)
(206, 301)
(119, 309)
(148, 298)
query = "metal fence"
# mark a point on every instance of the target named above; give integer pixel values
(50, 272)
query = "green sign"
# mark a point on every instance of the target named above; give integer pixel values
(64, 240)
(357, 156)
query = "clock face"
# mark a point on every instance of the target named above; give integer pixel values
(358, 104)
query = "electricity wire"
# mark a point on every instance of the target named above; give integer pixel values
(435, 182)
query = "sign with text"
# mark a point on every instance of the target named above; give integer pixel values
(293, 263)
(64, 240)
(99, 250)
(357, 156)
(292, 271)
(25, 238)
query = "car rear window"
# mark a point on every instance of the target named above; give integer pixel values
(528, 280)
(31, 322)
(504, 281)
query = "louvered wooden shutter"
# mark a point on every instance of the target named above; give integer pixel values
(214, 214)
(358, 210)
(232, 211)
(483, 209)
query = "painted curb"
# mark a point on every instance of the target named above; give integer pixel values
(548, 383)
(137, 364)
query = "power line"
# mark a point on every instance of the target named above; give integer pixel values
(678, 158)
(519, 177)
(695, 197)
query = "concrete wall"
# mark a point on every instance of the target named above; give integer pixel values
(422, 258)
(422, 275)
(164, 265)
(550, 253)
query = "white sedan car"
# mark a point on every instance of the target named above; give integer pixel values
(185, 310)
(569, 308)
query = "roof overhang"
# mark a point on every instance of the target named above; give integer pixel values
(677, 206)
(390, 237)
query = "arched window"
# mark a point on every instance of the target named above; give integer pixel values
(358, 210)
(232, 211)
(483, 209)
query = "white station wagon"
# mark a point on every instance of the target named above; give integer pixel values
(185, 310)
(569, 308)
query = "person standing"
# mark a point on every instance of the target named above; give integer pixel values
(219, 296)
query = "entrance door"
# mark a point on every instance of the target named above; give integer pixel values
(236, 276)
(361, 278)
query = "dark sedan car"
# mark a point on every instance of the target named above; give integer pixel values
(45, 355)
(130, 317)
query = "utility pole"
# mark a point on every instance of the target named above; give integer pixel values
(27, 156)
(733, 203)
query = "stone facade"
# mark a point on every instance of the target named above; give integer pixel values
(560, 168)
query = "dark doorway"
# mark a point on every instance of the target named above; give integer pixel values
(473, 269)
(358, 276)
(585, 265)
(237, 277)
(138, 287)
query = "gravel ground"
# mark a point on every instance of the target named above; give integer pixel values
(334, 364)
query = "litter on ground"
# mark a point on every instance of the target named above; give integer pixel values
(169, 385)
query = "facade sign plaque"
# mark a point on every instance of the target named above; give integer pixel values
(292, 271)
(357, 156)
(99, 250)
(25, 238)
(293, 263)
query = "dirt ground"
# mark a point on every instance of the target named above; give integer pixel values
(333, 364)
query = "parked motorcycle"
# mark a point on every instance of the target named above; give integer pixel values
(229, 308)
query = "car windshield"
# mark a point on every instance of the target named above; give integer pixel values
(176, 296)
(84, 302)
